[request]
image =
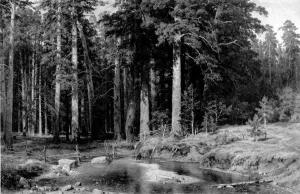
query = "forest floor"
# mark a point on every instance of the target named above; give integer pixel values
(230, 149)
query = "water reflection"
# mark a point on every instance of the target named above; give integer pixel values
(126, 176)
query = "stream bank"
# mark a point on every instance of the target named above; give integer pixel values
(232, 149)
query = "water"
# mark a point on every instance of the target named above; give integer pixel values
(126, 175)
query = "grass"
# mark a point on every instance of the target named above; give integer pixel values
(11, 172)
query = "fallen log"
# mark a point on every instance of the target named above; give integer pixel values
(232, 185)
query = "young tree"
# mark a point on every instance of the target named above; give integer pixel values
(218, 110)
(255, 123)
(265, 111)
(190, 104)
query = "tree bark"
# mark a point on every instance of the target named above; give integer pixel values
(33, 101)
(125, 85)
(90, 85)
(40, 101)
(144, 106)
(24, 98)
(153, 89)
(176, 87)
(130, 120)
(46, 129)
(117, 97)
(75, 119)
(57, 77)
(2, 68)
(8, 130)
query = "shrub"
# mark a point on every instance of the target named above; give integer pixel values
(9, 176)
(287, 104)
(11, 172)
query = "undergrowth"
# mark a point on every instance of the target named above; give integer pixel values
(12, 172)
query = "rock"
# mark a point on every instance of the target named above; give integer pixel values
(220, 187)
(78, 184)
(100, 160)
(67, 164)
(47, 188)
(55, 192)
(97, 191)
(24, 183)
(81, 189)
(67, 188)
(229, 186)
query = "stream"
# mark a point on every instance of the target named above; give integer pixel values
(130, 176)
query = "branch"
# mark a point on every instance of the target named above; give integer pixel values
(102, 95)
(229, 43)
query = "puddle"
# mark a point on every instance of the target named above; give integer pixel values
(130, 176)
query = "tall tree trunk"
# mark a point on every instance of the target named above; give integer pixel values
(153, 89)
(57, 77)
(40, 101)
(75, 119)
(90, 85)
(176, 86)
(8, 129)
(33, 101)
(2, 93)
(19, 117)
(131, 114)
(125, 90)
(117, 97)
(46, 129)
(2, 70)
(83, 124)
(132, 106)
(24, 98)
(144, 106)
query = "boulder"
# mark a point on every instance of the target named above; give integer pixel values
(81, 189)
(97, 191)
(24, 182)
(100, 160)
(67, 164)
(67, 188)
(78, 184)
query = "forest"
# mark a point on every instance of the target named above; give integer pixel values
(178, 66)
(172, 68)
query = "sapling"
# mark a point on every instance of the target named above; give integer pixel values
(265, 111)
(255, 123)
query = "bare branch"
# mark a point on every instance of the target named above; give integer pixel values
(229, 43)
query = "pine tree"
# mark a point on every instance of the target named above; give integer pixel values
(265, 111)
